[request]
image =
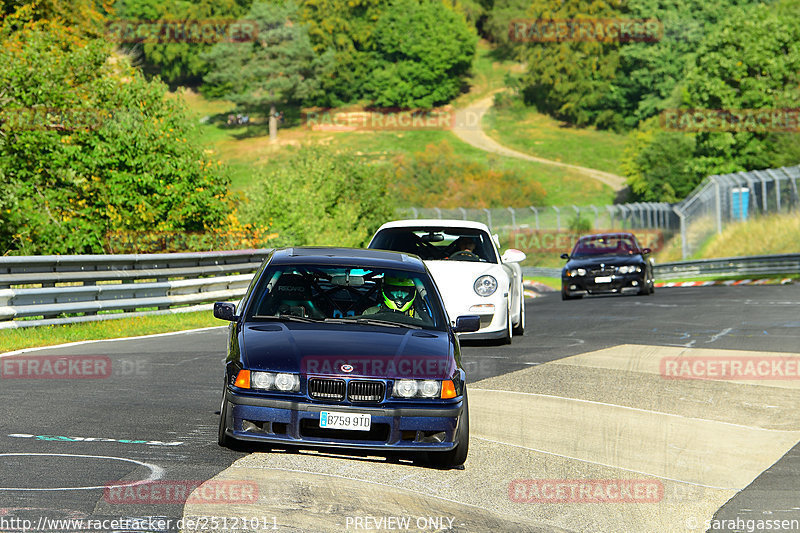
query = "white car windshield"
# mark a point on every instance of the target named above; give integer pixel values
(437, 243)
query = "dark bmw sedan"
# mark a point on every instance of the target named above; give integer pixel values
(345, 347)
(607, 263)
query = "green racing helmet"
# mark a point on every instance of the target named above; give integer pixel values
(398, 293)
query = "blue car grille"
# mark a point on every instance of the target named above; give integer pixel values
(326, 389)
(366, 391)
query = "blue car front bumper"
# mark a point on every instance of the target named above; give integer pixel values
(417, 428)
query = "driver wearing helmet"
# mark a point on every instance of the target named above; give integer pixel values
(398, 295)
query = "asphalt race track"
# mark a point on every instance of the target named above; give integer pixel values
(577, 426)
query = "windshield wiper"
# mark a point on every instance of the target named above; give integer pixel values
(288, 318)
(372, 322)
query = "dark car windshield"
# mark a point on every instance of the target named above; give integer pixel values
(347, 294)
(595, 245)
(453, 244)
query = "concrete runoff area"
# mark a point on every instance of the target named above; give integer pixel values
(577, 420)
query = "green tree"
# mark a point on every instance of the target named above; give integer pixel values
(88, 146)
(321, 197)
(279, 67)
(659, 165)
(749, 61)
(573, 80)
(177, 62)
(346, 27)
(424, 50)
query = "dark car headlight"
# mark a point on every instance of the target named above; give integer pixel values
(629, 269)
(576, 272)
(423, 388)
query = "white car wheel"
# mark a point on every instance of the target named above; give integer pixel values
(520, 328)
(506, 339)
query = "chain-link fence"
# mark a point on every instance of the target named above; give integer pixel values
(716, 202)
(721, 200)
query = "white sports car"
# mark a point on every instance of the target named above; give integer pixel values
(473, 278)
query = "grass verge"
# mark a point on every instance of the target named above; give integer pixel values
(17, 339)
(524, 129)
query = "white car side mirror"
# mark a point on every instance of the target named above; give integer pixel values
(512, 255)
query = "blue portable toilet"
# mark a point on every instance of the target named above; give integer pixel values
(740, 199)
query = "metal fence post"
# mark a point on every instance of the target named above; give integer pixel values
(513, 218)
(595, 216)
(414, 210)
(438, 212)
(684, 244)
(488, 218)
(610, 209)
(558, 218)
(717, 202)
(535, 215)
(463, 213)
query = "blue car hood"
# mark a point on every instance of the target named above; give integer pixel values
(348, 350)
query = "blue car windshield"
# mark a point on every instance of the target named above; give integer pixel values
(344, 294)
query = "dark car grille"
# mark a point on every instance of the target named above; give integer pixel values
(598, 271)
(366, 391)
(326, 389)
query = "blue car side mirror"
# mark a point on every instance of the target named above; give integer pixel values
(467, 324)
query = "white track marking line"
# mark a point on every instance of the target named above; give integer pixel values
(78, 343)
(606, 465)
(580, 400)
(156, 472)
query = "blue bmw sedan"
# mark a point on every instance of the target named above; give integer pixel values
(348, 348)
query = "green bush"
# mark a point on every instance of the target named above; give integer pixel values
(320, 197)
(88, 146)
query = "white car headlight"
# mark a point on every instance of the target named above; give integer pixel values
(405, 388)
(415, 388)
(283, 382)
(577, 272)
(485, 285)
(629, 269)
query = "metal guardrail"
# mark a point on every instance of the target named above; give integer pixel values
(763, 265)
(143, 281)
(92, 284)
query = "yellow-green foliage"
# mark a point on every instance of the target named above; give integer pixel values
(778, 234)
(775, 234)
